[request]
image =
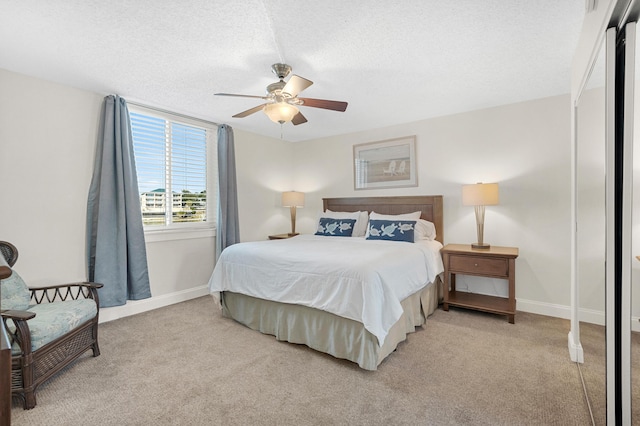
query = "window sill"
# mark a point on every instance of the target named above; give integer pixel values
(157, 235)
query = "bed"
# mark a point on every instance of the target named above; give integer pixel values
(299, 291)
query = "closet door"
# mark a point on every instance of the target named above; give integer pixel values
(590, 224)
(619, 211)
(616, 19)
(630, 291)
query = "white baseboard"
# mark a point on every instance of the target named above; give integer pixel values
(548, 309)
(590, 316)
(559, 311)
(575, 349)
(138, 306)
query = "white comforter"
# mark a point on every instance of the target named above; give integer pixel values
(363, 280)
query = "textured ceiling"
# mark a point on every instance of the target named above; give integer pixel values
(394, 61)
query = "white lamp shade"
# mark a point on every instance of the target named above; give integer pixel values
(280, 112)
(480, 194)
(293, 199)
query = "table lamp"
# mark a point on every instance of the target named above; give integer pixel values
(480, 195)
(293, 199)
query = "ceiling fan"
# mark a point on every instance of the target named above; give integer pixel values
(282, 99)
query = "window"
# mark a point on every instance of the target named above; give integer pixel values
(177, 169)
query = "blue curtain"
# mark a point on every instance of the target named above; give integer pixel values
(228, 231)
(116, 251)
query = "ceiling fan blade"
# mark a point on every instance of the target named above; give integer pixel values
(249, 111)
(296, 84)
(324, 103)
(241, 96)
(298, 119)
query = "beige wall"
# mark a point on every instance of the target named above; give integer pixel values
(524, 147)
(264, 172)
(47, 140)
(48, 135)
(590, 193)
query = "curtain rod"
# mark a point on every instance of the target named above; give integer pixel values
(177, 114)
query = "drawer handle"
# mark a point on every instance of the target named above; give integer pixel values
(475, 264)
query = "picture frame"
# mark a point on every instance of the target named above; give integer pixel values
(388, 163)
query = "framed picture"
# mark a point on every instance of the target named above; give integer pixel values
(385, 164)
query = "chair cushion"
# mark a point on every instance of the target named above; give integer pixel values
(15, 293)
(55, 319)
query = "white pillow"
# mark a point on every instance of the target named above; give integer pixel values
(422, 232)
(362, 224)
(362, 219)
(425, 230)
(404, 216)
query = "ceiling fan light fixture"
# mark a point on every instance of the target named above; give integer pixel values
(282, 101)
(280, 112)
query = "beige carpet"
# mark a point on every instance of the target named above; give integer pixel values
(185, 364)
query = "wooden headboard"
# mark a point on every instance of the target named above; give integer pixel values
(429, 205)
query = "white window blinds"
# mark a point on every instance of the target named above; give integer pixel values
(176, 169)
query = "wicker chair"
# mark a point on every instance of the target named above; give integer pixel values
(31, 367)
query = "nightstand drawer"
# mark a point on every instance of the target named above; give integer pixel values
(479, 265)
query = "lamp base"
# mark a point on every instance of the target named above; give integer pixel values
(293, 234)
(481, 246)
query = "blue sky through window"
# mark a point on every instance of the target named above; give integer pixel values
(152, 137)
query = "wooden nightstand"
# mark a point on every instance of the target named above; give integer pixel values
(496, 262)
(282, 236)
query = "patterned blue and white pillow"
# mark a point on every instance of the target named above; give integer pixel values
(392, 230)
(15, 293)
(335, 227)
